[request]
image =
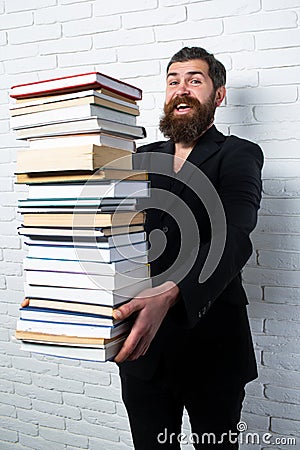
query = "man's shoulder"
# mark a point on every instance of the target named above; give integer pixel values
(236, 145)
(153, 146)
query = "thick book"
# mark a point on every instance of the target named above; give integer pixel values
(70, 329)
(89, 125)
(69, 113)
(90, 267)
(83, 157)
(86, 280)
(83, 300)
(102, 174)
(114, 219)
(77, 140)
(88, 253)
(74, 233)
(72, 83)
(74, 99)
(92, 351)
(101, 242)
(92, 189)
(56, 315)
(91, 202)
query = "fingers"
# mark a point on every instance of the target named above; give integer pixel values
(127, 349)
(128, 309)
(25, 303)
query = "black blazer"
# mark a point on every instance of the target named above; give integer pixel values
(210, 320)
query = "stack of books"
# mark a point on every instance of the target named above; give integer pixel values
(87, 248)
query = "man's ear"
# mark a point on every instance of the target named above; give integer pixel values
(220, 95)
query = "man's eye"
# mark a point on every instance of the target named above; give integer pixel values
(173, 83)
(196, 81)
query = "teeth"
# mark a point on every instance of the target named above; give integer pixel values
(182, 105)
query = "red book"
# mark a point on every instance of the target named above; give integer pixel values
(73, 83)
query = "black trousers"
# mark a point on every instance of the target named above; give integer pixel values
(155, 410)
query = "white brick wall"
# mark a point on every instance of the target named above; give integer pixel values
(63, 405)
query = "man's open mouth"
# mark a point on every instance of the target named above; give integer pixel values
(182, 107)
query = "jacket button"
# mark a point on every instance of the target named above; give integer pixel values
(165, 229)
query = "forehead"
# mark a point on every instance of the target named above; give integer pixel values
(193, 65)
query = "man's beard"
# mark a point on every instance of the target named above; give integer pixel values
(188, 127)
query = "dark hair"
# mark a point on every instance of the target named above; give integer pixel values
(216, 72)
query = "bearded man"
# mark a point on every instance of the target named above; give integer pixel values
(190, 345)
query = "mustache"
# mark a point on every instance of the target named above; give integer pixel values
(176, 101)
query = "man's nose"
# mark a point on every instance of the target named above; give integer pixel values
(183, 88)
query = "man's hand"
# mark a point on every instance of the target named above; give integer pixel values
(150, 306)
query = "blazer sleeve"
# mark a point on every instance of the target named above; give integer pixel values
(239, 188)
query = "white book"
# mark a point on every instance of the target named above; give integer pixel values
(90, 232)
(91, 267)
(111, 241)
(61, 115)
(71, 329)
(75, 140)
(85, 280)
(76, 202)
(89, 125)
(102, 353)
(112, 189)
(85, 253)
(94, 297)
(55, 315)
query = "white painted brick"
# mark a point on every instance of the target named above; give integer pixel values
(260, 22)
(87, 58)
(279, 206)
(30, 64)
(36, 33)
(149, 51)
(276, 343)
(88, 403)
(17, 20)
(261, 95)
(66, 45)
(3, 38)
(282, 327)
(255, 422)
(277, 311)
(117, 7)
(267, 131)
(282, 394)
(6, 386)
(18, 425)
(63, 14)
(228, 44)
(279, 76)
(279, 294)
(134, 72)
(289, 361)
(233, 115)
(9, 411)
(107, 392)
(109, 367)
(2, 7)
(277, 39)
(8, 435)
(35, 366)
(54, 409)
(271, 277)
(108, 420)
(257, 325)
(88, 376)
(57, 383)
(33, 392)
(84, 428)
(253, 291)
(219, 8)
(271, 408)
(265, 59)
(9, 268)
(161, 16)
(277, 113)
(285, 426)
(38, 443)
(279, 259)
(123, 38)
(63, 437)
(41, 418)
(91, 26)
(270, 5)
(10, 242)
(2, 282)
(213, 27)
(282, 168)
(14, 255)
(17, 5)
